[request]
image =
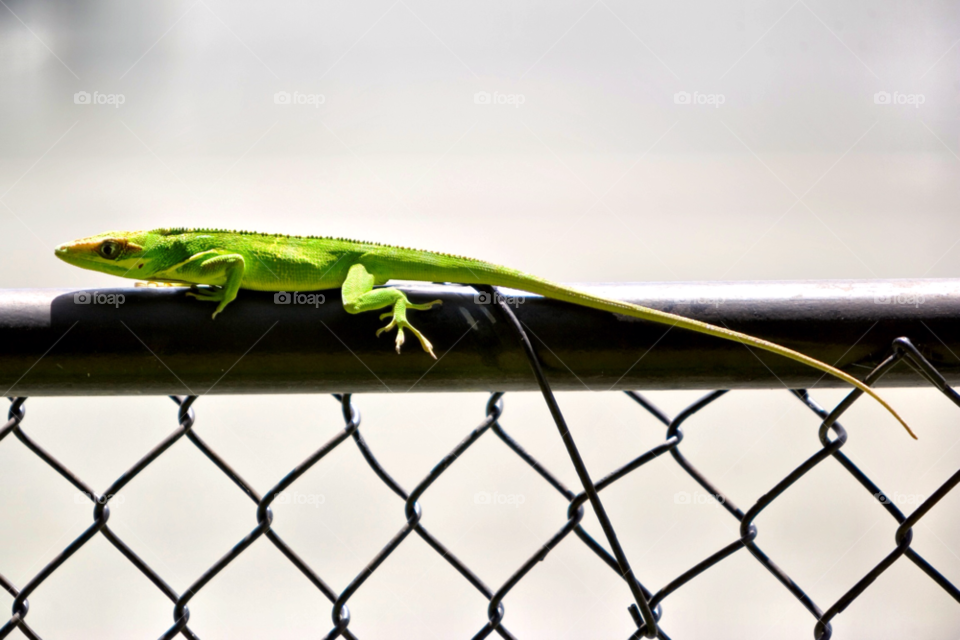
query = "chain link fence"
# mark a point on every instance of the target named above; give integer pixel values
(648, 601)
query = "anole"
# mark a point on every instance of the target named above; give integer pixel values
(228, 261)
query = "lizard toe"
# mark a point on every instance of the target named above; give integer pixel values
(390, 326)
(424, 306)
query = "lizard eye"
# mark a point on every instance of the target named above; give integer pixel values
(110, 250)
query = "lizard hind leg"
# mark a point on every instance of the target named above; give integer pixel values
(359, 296)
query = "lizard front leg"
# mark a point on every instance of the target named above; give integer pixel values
(220, 269)
(359, 296)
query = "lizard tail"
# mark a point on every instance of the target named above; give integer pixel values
(518, 280)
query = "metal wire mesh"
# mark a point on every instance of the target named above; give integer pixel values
(646, 611)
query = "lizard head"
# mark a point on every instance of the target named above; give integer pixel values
(118, 253)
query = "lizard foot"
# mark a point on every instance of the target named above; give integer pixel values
(399, 321)
(210, 295)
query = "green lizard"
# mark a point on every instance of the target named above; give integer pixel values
(228, 261)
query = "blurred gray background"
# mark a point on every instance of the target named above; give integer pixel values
(581, 141)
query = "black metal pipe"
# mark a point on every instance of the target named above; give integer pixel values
(158, 341)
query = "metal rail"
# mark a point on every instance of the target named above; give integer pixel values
(79, 332)
(157, 341)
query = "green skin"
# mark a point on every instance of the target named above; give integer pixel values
(228, 261)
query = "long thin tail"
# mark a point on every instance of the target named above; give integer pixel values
(525, 282)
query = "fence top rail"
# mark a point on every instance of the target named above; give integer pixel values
(157, 341)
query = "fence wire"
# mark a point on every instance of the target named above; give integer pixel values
(646, 610)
